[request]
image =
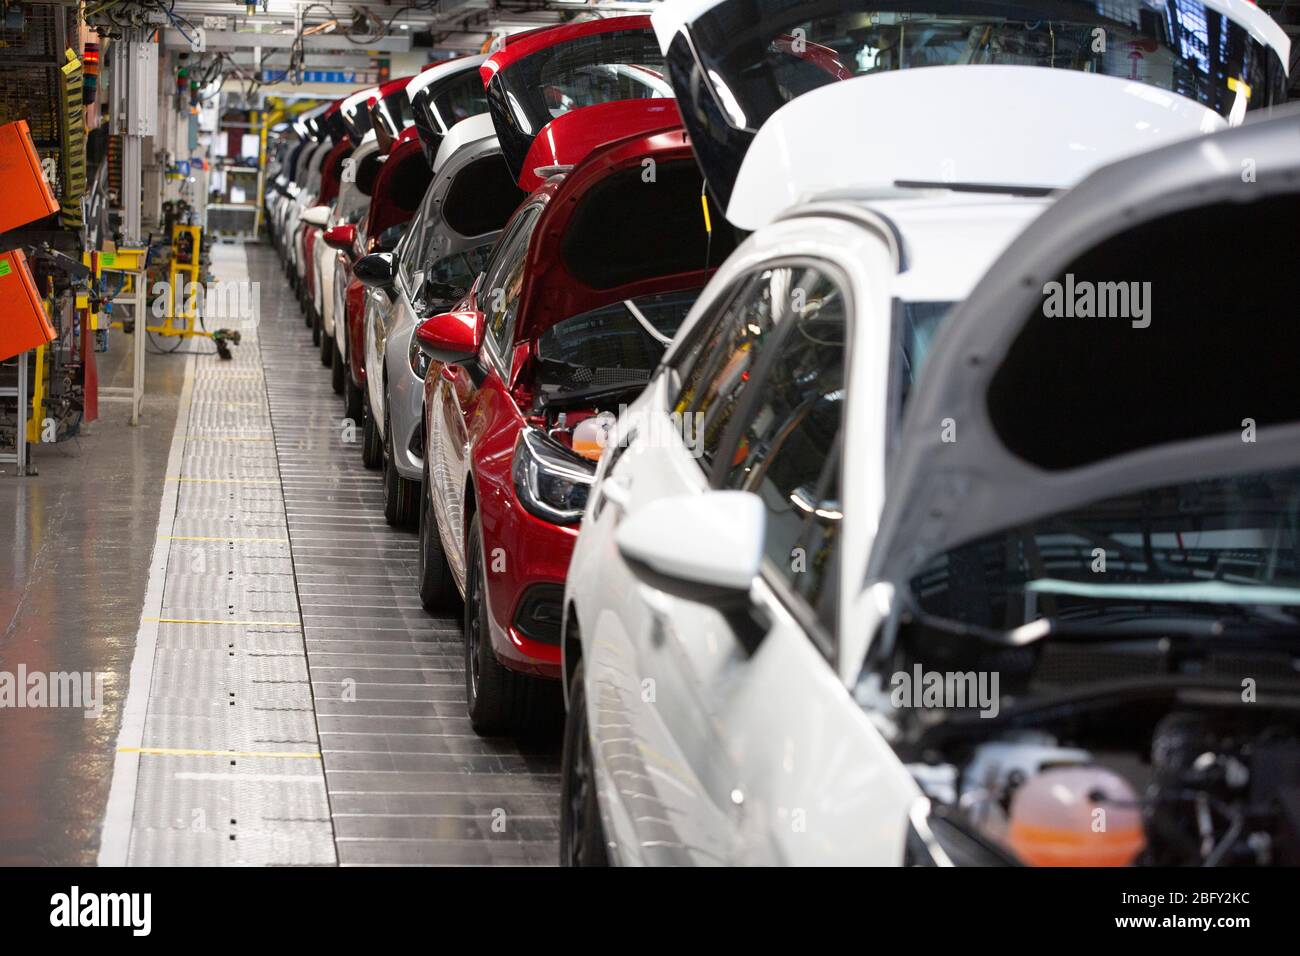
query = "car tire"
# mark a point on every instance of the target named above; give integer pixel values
(582, 833)
(437, 586)
(401, 507)
(314, 318)
(338, 372)
(372, 446)
(326, 347)
(499, 700)
(352, 406)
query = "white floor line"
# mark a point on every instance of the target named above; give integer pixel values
(115, 837)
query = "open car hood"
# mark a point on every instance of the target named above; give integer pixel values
(606, 235)
(390, 113)
(355, 111)
(442, 96)
(567, 139)
(472, 188)
(544, 75)
(1080, 122)
(307, 123)
(332, 122)
(1023, 411)
(734, 63)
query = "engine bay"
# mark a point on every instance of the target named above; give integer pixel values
(1182, 766)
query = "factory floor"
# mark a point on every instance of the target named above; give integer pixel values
(73, 569)
(274, 694)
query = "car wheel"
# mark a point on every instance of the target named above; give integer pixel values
(313, 317)
(326, 347)
(338, 371)
(499, 700)
(372, 446)
(352, 407)
(437, 586)
(400, 505)
(582, 834)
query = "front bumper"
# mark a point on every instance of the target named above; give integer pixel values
(405, 405)
(525, 560)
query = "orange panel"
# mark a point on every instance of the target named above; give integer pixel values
(28, 196)
(23, 323)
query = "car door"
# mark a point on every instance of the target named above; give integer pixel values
(393, 325)
(456, 398)
(671, 665)
(811, 781)
(750, 749)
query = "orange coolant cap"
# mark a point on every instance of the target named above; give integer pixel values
(1076, 816)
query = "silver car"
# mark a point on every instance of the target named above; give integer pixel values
(445, 246)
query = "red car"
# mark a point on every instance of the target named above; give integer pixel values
(588, 282)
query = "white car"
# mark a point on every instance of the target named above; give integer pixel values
(711, 644)
(335, 264)
(346, 209)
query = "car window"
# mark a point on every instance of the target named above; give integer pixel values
(783, 442)
(499, 294)
(415, 246)
(727, 352)
(453, 275)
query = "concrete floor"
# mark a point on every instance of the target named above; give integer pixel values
(72, 580)
(238, 745)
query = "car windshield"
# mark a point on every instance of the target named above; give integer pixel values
(630, 334)
(917, 323)
(1221, 551)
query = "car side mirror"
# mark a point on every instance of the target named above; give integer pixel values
(453, 338)
(341, 236)
(318, 216)
(701, 547)
(375, 270)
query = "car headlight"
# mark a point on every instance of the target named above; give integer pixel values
(551, 481)
(937, 837)
(418, 357)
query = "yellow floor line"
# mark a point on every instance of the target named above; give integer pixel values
(182, 752)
